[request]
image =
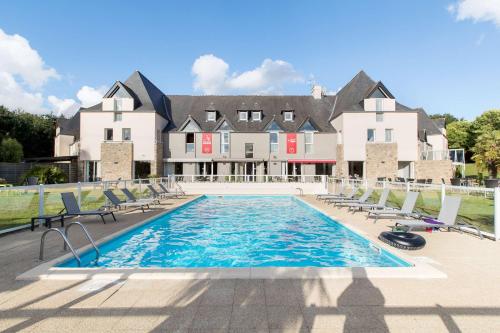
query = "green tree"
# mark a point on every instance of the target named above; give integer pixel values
(458, 134)
(11, 151)
(487, 152)
(487, 122)
(47, 174)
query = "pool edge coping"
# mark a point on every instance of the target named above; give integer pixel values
(49, 271)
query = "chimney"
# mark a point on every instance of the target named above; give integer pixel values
(317, 91)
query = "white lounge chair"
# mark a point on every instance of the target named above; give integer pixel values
(405, 211)
(362, 199)
(367, 206)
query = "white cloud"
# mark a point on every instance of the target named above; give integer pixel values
(212, 76)
(476, 10)
(63, 107)
(90, 96)
(19, 59)
(13, 96)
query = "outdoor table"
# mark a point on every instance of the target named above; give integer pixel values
(48, 220)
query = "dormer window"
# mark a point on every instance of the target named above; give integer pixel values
(256, 115)
(211, 115)
(243, 116)
(288, 115)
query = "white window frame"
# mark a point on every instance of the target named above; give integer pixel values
(368, 136)
(224, 146)
(211, 116)
(258, 114)
(389, 130)
(106, 134)
(274, 146)
(309, 146)
(123, 134)
(190, 147)
(245, 118)
(118, 115)
(379, 117)
(378, 104)
(288, 115)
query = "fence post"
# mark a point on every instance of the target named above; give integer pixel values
(41, 198)
(407, 186)
(443, 192)
(497, 213)
(79, 192)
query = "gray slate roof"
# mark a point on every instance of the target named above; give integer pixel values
(70, 126)
(177, 108)
(304, 107)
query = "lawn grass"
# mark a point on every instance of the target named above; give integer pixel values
(17, 207)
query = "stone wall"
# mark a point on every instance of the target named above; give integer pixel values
(381, 160)
(117, 160)
(341, 166)
(434, 170)
(157, 165)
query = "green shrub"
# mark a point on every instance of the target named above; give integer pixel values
(11, 151)
(46, 175)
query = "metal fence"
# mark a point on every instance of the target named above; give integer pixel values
(20, 203)
(479, 206)
(249, 178)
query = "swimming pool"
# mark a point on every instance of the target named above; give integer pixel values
(240, 231)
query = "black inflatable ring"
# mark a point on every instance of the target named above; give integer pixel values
(402, 240)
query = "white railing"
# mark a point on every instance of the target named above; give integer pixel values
(249, 178)
(435, 155)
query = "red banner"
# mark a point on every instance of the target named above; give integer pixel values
(291, 143)
(206, 143)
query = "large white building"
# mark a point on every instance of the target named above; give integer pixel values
(362, 131)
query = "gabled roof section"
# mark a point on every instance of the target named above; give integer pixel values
(308, 126)
(69, 126)
(223, 125)
(426, 123)
(190, 125)
(350, 96)
(119, 89)
(379, 90)
(273, 126)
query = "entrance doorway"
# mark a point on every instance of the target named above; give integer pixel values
(355, 169)
(250, 171)
(142, 169)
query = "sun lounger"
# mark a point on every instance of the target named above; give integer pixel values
(341, 193)
(166, 190)
(367, 206)
(72, 208)
(446, 219)
(132, 198)
(349, 195)
(159, 195)
(362, 199)
(405, 211)
(123, 204)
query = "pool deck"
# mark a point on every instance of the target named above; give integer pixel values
(467, 299)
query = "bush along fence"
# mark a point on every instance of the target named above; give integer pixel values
(479, 206)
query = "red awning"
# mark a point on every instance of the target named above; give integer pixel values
(312, 161)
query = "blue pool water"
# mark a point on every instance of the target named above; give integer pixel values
(240, 231)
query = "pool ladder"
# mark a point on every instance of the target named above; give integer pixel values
(67, 243)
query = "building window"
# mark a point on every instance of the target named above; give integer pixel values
(379, 116)
(288, 115)
(274, 137)
(126, 134)
(119, 102)
(378, 104)
(388, 135)
(211, 116)
(248, 150)
(224, 142)
(108, 134)
(118, 116)
(243, 116)
(370, 133)
(256, 115)
(189, 142)
(309, 142)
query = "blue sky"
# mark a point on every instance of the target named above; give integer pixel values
(441, 55)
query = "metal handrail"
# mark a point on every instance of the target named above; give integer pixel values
(42, 244)
(86, 234)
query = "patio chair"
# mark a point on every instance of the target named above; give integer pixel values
(349, 195)
(372, 206)
(166, 190)
(123, 204)
(132, 198)
(446, 219)
(159, 195)
(72, 208)
(405, 211)
(362, 199)
(179, 189)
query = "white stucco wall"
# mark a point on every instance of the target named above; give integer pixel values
(439, 142)
(62, 144)
(143, 125)
(354, 133)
